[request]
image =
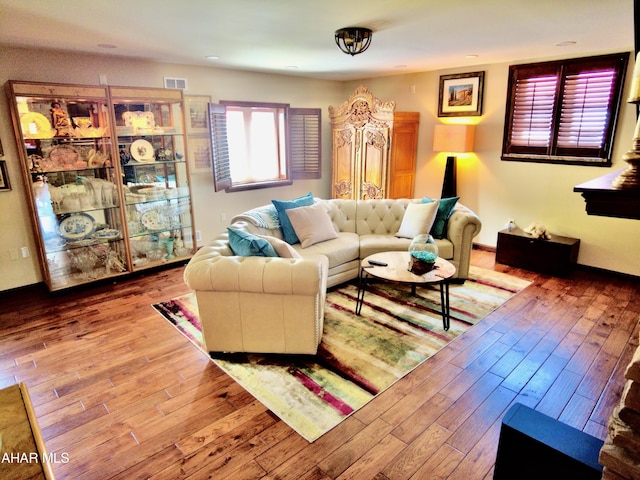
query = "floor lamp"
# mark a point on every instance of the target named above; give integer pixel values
(452, 139)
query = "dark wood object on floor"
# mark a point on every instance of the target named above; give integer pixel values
(534, 446)
(126, 396)
(556, 256)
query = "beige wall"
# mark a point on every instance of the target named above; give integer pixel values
(496, 190)
(210, 207)
(527, 192)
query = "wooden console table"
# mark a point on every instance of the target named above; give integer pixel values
(22, 448)
(556, 256)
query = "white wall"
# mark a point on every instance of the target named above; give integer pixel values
(495, 189)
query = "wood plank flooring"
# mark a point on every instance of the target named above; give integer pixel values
(125, 396)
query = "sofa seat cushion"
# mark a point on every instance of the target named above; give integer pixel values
(343, 249)
(445, 248)
(370, 244)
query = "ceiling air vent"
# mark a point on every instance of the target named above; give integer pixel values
(172, 82)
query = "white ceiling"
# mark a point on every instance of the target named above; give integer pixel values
(277, 35)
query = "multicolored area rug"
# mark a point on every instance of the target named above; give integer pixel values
(360, 356)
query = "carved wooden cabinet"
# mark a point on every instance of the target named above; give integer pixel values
(373, 148)
(404, 148)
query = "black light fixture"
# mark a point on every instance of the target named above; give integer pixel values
(353, 40)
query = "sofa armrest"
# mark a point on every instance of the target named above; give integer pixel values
(462, 227)
(211, 270)
(463, 222)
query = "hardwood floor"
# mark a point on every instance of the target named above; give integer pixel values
(125, 396)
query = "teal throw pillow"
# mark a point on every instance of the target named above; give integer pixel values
(246, 244)
(445, 209)
(288, 232)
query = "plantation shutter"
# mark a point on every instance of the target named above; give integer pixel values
(564, 111)
(304, 143)
(584, 118)
(219, 147)
(533, 110)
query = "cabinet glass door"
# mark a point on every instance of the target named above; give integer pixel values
(71, 180)
(149, 126)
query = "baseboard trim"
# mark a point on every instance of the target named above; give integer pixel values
(579, 266)
(484, 248)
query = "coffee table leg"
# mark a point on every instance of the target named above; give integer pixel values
(444, 301)
(362, 287)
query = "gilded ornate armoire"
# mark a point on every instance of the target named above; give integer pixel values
(374, 148)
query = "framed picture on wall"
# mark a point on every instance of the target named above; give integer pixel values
(461, 95)
(197, 114)
(4, 178)
(199, 149)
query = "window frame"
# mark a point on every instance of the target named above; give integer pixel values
(287, 180)
(304, 166)
(562, 69)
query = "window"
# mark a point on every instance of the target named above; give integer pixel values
(564, 111)
(258, 145)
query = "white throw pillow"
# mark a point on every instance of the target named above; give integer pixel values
(311, 224)
(418, 218)
(281, 247)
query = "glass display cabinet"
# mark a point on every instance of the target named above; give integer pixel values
(149, 128)
(107, 182)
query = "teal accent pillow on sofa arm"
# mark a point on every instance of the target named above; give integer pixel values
(445, 209)
(288, 232)
(246, 244)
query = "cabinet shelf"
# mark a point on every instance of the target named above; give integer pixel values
(82, 171)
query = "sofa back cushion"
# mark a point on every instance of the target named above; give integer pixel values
(342, 213)
(381, 217)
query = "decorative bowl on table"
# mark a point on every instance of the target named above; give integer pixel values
(422, 262)
(423, 253)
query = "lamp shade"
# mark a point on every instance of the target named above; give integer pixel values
(453, 138)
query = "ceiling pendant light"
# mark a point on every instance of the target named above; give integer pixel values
(353, 40)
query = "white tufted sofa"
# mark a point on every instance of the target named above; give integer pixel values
(272, 304)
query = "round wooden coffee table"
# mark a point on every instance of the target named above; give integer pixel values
(397, 270)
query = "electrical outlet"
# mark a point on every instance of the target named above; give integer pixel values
(223, 217)
(24, 251)
(198, 237)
